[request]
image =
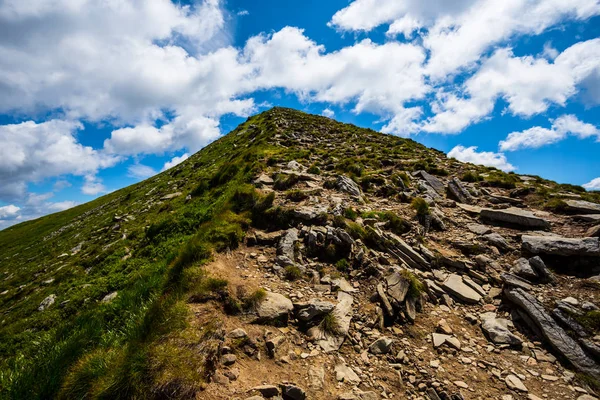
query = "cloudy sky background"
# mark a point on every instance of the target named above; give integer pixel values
(96, 95)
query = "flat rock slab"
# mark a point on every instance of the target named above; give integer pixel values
(515, 217)
(455, 286)
(560, 246)
(552, 332)
(479, 229)
(469, 208)
(583, 207)
(587, 217)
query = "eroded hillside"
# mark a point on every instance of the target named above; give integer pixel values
(304, 258)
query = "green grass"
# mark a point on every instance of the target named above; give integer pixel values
(420, 206)
(329, 324)
(292, 273)
(296, 195)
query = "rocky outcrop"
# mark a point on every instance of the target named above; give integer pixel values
(581, 206)
(560, 246)
(312, 309)
(515, 217)
(552, 333)
(332, 341)
(347, 185)
(457, 191)
(455, 285)
(432, 181)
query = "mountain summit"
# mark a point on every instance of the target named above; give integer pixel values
(301, 258)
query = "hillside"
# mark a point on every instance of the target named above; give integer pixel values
(305, 258)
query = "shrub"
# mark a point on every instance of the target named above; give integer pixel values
(200, 189)
(401, 179)
(314, 169)
(339, 221)
(420, 206)
(470, 176)
(355, 230)
(556, 205)
(350, 213)
(395, 223)
(330, 324)
(342, 265)
(292, 273)
(416, 286)
(224, 174)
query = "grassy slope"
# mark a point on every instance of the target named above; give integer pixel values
(123, 349)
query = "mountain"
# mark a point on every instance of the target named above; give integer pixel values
(305, 258)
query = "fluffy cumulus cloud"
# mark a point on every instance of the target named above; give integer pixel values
(9, 212)
(487, 158)
(140, 171)
(538, 136)
(34, 206)
(175, 161)
(594, 184)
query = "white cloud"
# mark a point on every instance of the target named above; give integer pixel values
(243, 13)
(60, 185)
(62, 205)
(549, 51)
(33, 152)
(175, 161)
(328, 112)
(9, 212)
(537, 136)
(487, 158)
(594, 184)
(92, 186)
(140, 171)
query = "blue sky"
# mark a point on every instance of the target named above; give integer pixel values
(95, 96)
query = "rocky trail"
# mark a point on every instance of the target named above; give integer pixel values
(478, 302)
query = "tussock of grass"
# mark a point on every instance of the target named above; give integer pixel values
(330, 324)
(252, 301)
(292, 273)
(420, 206)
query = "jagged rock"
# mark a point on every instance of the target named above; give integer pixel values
(511, 280)
(515, 217)
(523, 268)
(343, 315)
(292, 392)
(312, 309)
(403, 251)
(344, 373)
(47, 302)
(309, 213)
(274, 308)
(560, 246)
(381, 345)
(286, 248)
(568, 322)
(455, 286)
(397, 287)
(583, 207)
(432, 181)
(553, 333)
(495, 239)
(273, 343)
(497, 330)
(514, 383)
(479, 229)
(343, 285)
(538, 265)
(387, 306)
(440, 339)
(474, 210)
(294, 166)
(458, 192)
(345, 184)
(229, 359)
(268, 238)
(109, 297)
(411, 309)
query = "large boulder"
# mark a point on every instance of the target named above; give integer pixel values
(515, 217)
(275, 308)
(552, 332)
(432, 181)
(458, 192)
(560, 246)
(581, 206)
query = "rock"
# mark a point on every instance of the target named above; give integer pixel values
(286, 248)
(474, 210)
(343, 316)
(344, 373)
(586, 397)
(109, 297)
(264, 179)
(237, 333)
(515, 217)
(171, 196)
(455, 286)
(381, 345)
(47, 302)
(387, 306)
(443, 327)
(229, 359)
(497, 240)
(347, 185)
(458, 192)
(514, 383)
(399, 248)
(594, 231)
(553, 333)
(523, 269)
(560, 246)
(397, 287)
(267, 390)
(292, 392)
(497, 331)
(538, 265)
(316, 376)
(432, 181)
(411, 309)
(274, 308)
(294, 166)
(268, 238)
(479, 229)
(312, 309)
(582, 207)
(273, 343)
(572, 301)
(440, 339)
(511, 280)
(343, 285)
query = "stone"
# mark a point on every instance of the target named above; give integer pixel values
(544, 273)
(292, 392)
(267, 390)
(344, 373)
(457, 191)
(455, 286)
(109, 297)
(273, 343)
(286, 248)
(461, 384)
(274, 308)
(312, 309)
(381, 345)
(552, 333)
(238, 333)
(432, 181)
(171, 196)
(229, 359)
(440, 339)
(523, 269)
(343, 315)
(495, 239)
(479, 229)
(515, 217)
(511, 280)
(560, 246)
(497, 331)
(316, 376)
(594, 231)
(343, 285)
(514, 383)
(347, 185)
(263, 179)
(582, 207)
(47, 302)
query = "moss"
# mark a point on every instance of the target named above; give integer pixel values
(416, 286)
(471, 176)
(420, 206)
(285, 182)
(292, 273)
(350, 213)
(589, 320)
(314, 169)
